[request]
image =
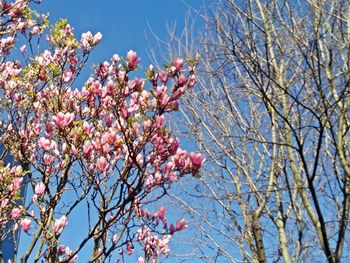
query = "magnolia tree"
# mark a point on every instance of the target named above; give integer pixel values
(104, 147)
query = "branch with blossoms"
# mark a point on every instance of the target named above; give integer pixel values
(106, 144)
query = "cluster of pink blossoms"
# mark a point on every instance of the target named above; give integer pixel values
(153, 245)
(106, 142)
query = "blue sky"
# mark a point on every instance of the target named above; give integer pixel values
(124, 24)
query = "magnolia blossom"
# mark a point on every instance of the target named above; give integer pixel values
(26, 224)
(17, 182)
(129, 248)
(16, 212)
(39, 188)
(108, 136)
(47, 144)
(197, 161)
(102, 164)
(132, 59)
(180, 224)
(63, 119)
(177, 65)
(88, 41)
(97, 38)
(23, 49)
(60, 224)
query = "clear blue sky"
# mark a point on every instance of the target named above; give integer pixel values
(123, 24)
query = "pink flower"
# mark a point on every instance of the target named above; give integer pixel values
(60, 250)
(60, 224)
(102, 164)
(63, 119)
(16, 212)
(163, 76)
(74, 150)
(88, 148)
(88, 41)
(39, 188)
(140, 260)
(180, 224)
(49, 126)
(171, 229)
(85, 41)
(67, 251)
(160, 213)
(23, 49)
(67, 76)
(47, 144)
(97, 38)
(48, 159)
(177, 65)
(160, 120)
(192, 81)
(26, 224)
(132, 59)
(129, 248)
(197, 160)
(87, 127)
(35, 30)
(17, 182)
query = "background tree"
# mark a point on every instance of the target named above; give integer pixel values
(271, 115)
(101, 151)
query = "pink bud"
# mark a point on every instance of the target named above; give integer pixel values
(177, 64)
(17, 182)
(63, 119)
(60, 224)
(67, 251)
(160, 90)
(67, 76)
(197, 160)
(26, 224)
(129, 248)
(49, 127)
(97, 38)
(39, 188)
(4, 203)
(160, 213)
(132, 59)
(163, 76)
(74, 150)
(181, 80)
(23, 49)
(44, 143)
(60, 250)
(160, 120)
(180, 224)
(102, 164)
(87, 127)
(15, 213)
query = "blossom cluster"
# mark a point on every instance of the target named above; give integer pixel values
(107, 141)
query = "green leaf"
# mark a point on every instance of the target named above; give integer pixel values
(196, 175)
